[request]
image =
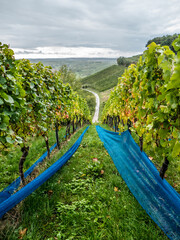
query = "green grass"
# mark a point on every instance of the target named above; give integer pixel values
(83, 202)
(104, 79)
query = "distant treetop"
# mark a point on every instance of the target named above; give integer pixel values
(164, 41)
(123, 61)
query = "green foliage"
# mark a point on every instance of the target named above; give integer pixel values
(11, 96)
(9, 166)
(68, 76)
(33, 98)
(94, 169)
(148, 95)
(123, 61)
(90, 98)
(164, 41)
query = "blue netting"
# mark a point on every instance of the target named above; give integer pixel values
(8, 191)
(155, 195)
(32, 186)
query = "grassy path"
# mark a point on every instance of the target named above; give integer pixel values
(86, 199)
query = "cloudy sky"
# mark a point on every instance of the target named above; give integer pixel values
(85, 28)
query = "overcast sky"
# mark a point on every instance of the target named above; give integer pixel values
(85, 28)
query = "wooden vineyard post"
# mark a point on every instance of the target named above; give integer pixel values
(57, 136)
(129, 125)
(141, 143)
(164, 168)
(25, 151)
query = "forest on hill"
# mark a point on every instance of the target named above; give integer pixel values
(166, 40)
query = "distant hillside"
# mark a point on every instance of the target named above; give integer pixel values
(108, 77)
(122, 61)
(82, 67)
(104, 79)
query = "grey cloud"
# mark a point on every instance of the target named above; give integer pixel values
(122, 25)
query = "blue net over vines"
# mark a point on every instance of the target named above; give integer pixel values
(9, 190)
(156, 196)
(17, 197)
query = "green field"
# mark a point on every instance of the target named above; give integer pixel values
(81, 66)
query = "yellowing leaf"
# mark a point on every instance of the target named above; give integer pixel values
(22, 233)
(50, 192)
(115, 189)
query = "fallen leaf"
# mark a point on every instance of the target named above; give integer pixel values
(50, 192)
(175, 185)
(22, 233)
(102, 172)
(151, 158)
(115, 189)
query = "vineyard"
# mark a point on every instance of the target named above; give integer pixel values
(147, 102)
(33, 101)
(109, 185)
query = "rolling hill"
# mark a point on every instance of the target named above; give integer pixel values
(106, 78)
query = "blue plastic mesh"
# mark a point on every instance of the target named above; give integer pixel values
(8, 191)
(37, 182)
(155, 195)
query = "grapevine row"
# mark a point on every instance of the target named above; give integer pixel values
(147, 102)
(33, 100)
